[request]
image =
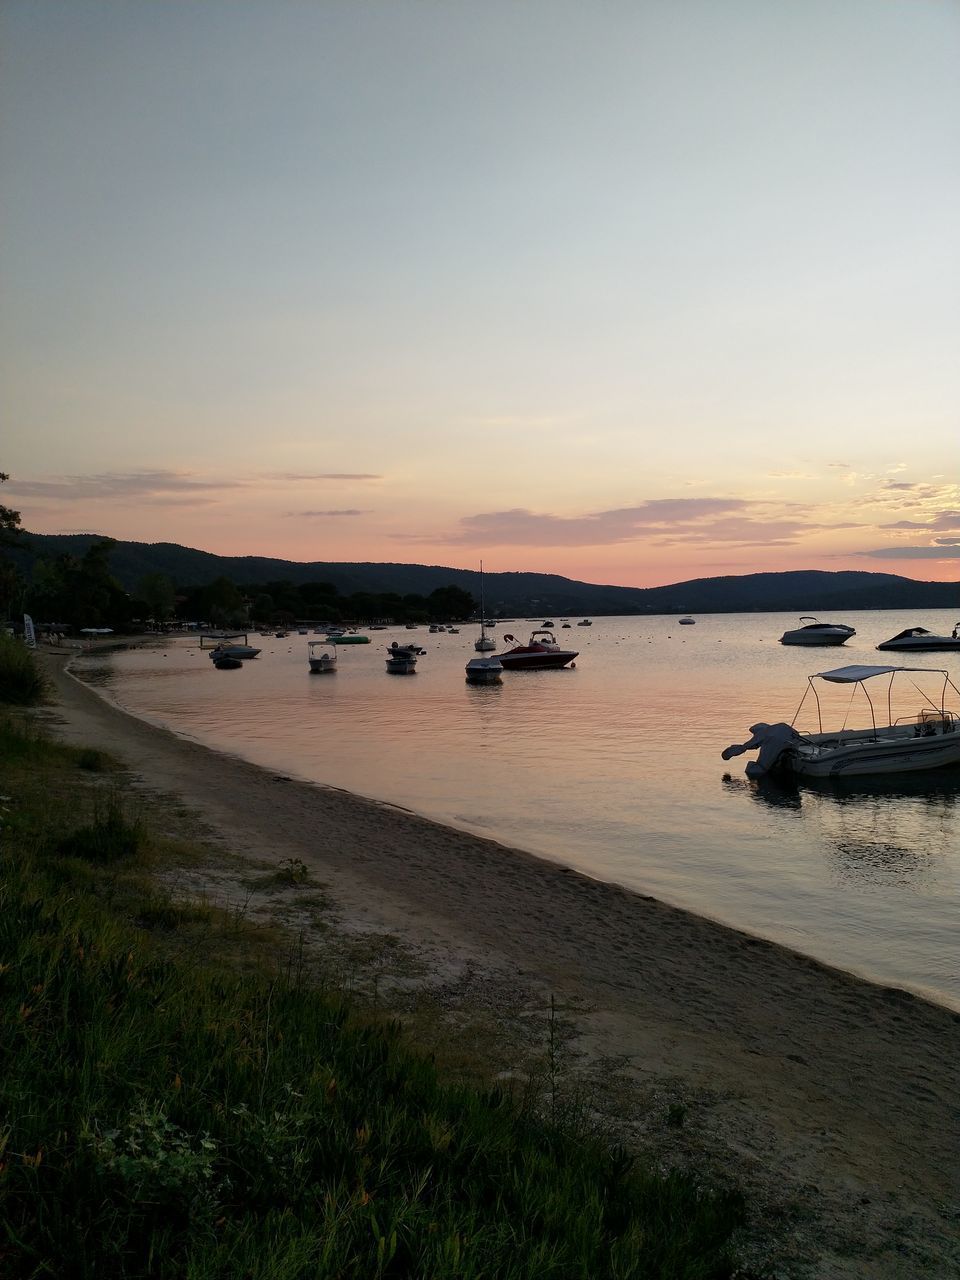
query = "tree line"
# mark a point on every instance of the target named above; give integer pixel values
(80, 591)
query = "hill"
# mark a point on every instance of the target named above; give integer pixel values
(509, 594)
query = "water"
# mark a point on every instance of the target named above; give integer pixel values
(614, 768)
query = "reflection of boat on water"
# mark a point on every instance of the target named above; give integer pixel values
(788, 791)
(928, 738)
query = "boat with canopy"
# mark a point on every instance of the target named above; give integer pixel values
(926, 737)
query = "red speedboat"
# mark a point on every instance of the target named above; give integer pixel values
(541, 650)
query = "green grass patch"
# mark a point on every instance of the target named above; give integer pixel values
(171, 1115)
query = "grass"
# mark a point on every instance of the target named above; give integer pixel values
(165, 1112)
(21, 681)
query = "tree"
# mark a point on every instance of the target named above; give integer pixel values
(159, 595)
(450, 602)
(9, 520)
(10, 580)
(81, 592)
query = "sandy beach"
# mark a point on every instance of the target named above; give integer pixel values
(834, 1101)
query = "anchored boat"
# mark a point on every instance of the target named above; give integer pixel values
(926, 738)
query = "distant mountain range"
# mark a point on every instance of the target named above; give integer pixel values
(512, 594)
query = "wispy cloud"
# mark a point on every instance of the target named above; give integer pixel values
(950, 552)
(663, 521)
(309, 515)
(170, 487)
(298, 476)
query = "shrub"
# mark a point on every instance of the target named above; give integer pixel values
(21, 681)
(109, 837)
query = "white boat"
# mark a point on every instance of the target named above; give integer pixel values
(926, 738)
(320, 662)
(485, 643)
(812, 632)
(484, 671)
(540, 651)
(918, 640)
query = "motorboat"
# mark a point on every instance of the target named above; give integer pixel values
(547, 625)
(585, 622)
(320, 662)
(687, 622)
(540, 651)
(484, 643)
(347, 637)
(484, 671)
(453, 631)
(226, 648)
(812, 632)
(926, 738)
(918, 639)
(402, 658)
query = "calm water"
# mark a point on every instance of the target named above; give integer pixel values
(614, 768)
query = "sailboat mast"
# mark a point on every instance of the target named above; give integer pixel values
(483, 633)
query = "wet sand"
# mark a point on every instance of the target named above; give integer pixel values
(833, 1099)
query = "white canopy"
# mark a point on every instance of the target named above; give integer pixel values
(853, 675)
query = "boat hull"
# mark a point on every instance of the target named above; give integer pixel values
(824, 639)
(535, 661)
(880, 757)
(936, 644)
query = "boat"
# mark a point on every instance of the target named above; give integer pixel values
(402, 658)
(225, 663)
(565, 626)
(687, 622)
(812, 632)
(927, 738)
(547, 625)
(484, 671)
(918, 639)
(225, 648)
(585, 622)
(303, 631)
(320, 663)
(453, 631)
(540, 651)
(347, 637)
(485, 643)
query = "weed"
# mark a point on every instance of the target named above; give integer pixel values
(108, 838)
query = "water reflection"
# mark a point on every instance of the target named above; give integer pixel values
(873, 830)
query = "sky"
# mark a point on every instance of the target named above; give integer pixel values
(633, 291)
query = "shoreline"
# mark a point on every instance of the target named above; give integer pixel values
(841, 1092)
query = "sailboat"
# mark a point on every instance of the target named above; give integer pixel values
(486, 644)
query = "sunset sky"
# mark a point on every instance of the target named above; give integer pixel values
(633, 291)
